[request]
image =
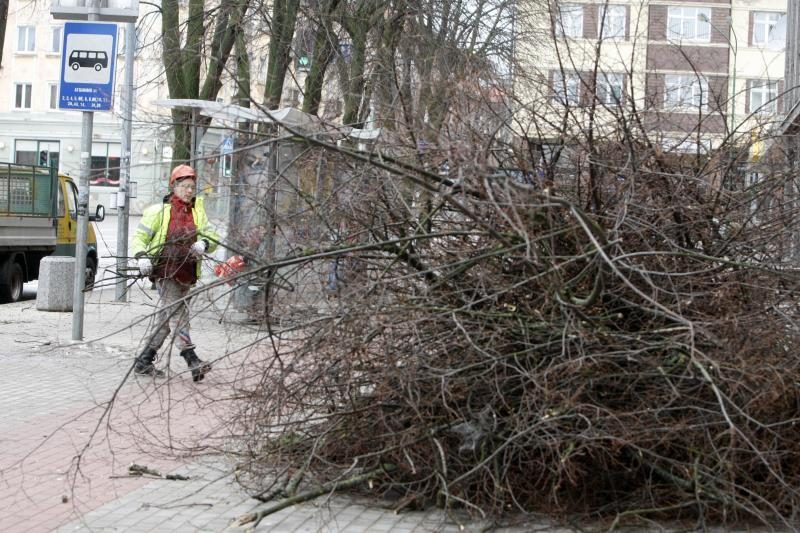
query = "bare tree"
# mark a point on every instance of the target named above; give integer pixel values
(325, 50)
(282, 26)
(184, 63)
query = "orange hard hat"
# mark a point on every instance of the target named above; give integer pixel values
(180, 172)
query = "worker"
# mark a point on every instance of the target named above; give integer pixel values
(168, 245)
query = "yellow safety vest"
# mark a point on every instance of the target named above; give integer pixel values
(151, 233)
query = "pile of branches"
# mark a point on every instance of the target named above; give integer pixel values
(618, 344)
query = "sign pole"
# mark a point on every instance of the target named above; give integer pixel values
(125, 171)
(87, 125)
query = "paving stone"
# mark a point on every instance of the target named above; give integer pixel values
(54, 394)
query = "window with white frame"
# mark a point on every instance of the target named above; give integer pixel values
(26, 38)
(609, 88)
(567, 88)
(22, 95)
(34, 152)
(687, 145)
(261, 69)
(689, 24)
(685, 92)
(612, 22)
(56, 36)
(764, 97)
(763, 25)
(105, 164)
(52, 94)
(569, 22)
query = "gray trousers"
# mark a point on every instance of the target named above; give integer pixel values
(172, 314)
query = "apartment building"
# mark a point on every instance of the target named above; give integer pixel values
(695, 71)
(34, 131)
(791, 125)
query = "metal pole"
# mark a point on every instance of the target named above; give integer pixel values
(234, 190)
(734, 43)
(194, 140)
(272, 197)
(125, 170)
(83, 205)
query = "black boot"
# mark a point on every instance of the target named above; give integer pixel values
(199, 368)
(144, 364)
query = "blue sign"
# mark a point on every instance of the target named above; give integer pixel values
(87, 66)
(227, 145)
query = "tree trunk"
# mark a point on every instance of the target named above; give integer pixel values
(3, 22)
(242, 69)
(353, 85)
(183, 65)
(228, 25)
(325, 44)
(385, 77)
(284, 19)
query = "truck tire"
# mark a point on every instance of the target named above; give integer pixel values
(11, 282)
(91, 272)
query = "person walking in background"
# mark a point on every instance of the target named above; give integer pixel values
(168, 245)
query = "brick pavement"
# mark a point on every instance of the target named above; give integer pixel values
(54, 397)
(54, 393)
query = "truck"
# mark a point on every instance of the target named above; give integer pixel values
(38, 218)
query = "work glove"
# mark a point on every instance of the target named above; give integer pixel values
(145, 266)
(198, 248)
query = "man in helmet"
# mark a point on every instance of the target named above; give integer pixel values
(168, 245)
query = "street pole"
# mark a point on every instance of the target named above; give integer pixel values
(272, 196)
(87, 125)
(125, 170)
(734, 43)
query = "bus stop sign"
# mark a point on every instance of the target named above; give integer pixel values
(87, 66)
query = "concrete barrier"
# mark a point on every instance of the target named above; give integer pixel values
(56, 282)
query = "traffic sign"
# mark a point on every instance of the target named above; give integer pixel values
(87, 66)
(227, 145)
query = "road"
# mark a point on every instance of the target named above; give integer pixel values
(106, 232)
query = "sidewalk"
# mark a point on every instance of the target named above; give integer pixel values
(53, 408)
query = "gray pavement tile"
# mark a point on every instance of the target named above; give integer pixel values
(203, 519)
(361, 525)
(403, 528)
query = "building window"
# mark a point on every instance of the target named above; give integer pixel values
(764, 97)
(569, 22)
(262, 66)
(105, 164)
(567, 88)
(763, 25)
(687, 145)
(612, 22)
(685, 92)
(293, 97)
(56, 36)
(44, 153)
(26, 38)
(609, 88)
(52, 92)
(689, 24)
(22, 95)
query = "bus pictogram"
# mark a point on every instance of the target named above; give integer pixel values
(89, 59)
